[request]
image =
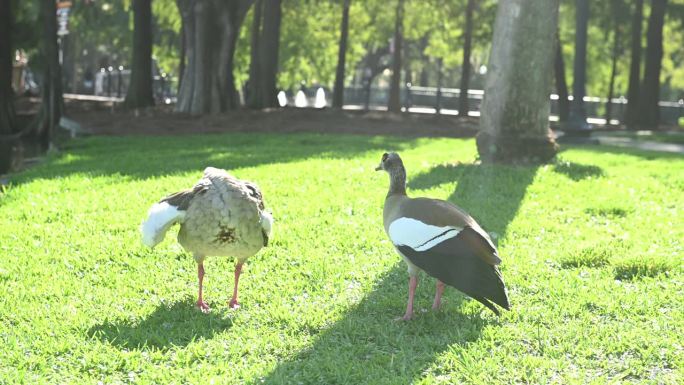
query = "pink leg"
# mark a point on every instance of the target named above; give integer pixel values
(413, 282)
(438, 295)
(200, 302)
(234, 301)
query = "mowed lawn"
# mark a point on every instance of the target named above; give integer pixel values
(592, 251)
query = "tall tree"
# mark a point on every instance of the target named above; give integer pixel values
(253, 99)
(577, 121)
(632, 111)
(465, 67)
(394, 102)
(6, 94)
(561, 84)
(616, 7)
(338, 90)
(515, 111)
(52, 99)
(649, 114)
(7, 140)
(139, 92)
(211, 30)
(264, 70)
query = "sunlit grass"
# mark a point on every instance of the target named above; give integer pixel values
(591, 245)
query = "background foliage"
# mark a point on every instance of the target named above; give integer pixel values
(310, 33)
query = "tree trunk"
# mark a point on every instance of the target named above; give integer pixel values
(53, 102)
(139, 92)
(514, 126)
(6, 59)
(253, 98)
(338, 91)
(577, 121)
(211, 30)
(394, 102)
(465, 68)
(613, 69)
(632, 110)
(649, 114)
(181, 64)
(270, 44)
(561, 84)
(263, 68)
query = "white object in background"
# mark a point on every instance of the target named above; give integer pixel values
(282, 99)
(320, 101)
(300, 99)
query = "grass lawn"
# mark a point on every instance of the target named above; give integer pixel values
(592, 255)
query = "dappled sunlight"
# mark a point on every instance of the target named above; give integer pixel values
(194, 153)
(593, 238)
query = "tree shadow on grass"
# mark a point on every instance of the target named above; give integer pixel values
(176, 325)
(578, 171)
(492, 194)
(145, 157)
(366, 345)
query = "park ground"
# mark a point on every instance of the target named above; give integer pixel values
(591, 247)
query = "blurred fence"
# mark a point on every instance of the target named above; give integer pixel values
(428, 99)
(113, 82)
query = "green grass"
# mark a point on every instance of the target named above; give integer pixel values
(591, 246)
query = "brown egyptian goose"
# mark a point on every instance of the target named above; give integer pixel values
(443, 240)
(220, 216)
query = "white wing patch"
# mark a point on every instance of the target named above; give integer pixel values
(266, 222)
(418, 235)
(159, 219)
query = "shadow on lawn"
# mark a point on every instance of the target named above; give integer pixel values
(175, 325)
(492, 194)
(365, 346)
(578, 171)
(145, 157)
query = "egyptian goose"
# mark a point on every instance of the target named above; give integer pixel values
(441, 239)
(220, 216)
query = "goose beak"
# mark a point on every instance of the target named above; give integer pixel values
(378, 168)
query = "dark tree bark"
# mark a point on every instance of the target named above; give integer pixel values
(561, 84)
(270, 45)
(613, 69)
(262, 82)
(139, 92)
(6, 94)
(649, 114)
(10, 144)
(465, 68)
(52, 99)
(181, 64)
(408, 78)
(514, 126)
(373, 66)
(253, 98)
(211, 30)
(394, 102)
(577, 121)
(338, 90)
(632, 110)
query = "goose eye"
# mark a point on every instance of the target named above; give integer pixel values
(384, 156)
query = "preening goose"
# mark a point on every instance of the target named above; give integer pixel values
(441, 239)
(220, 216)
